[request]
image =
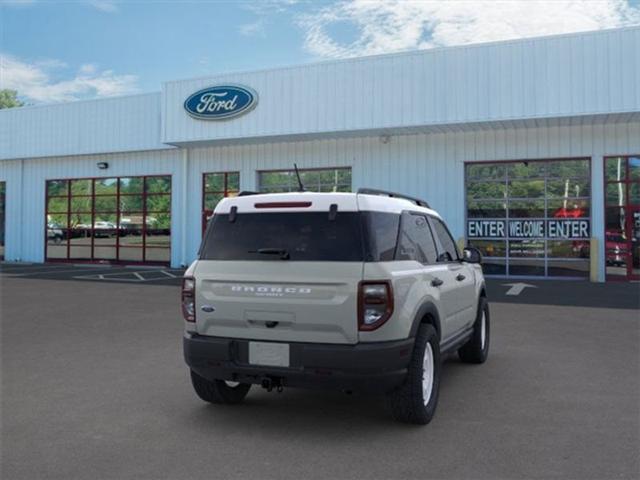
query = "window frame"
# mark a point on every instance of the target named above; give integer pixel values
(403, 216)
(440, 247)
(628, 206)
(92, 213)
(505, 178)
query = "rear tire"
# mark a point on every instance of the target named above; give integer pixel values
(219, 391)
(415, 401)
(476, 350)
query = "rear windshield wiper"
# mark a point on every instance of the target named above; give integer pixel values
(284, 254)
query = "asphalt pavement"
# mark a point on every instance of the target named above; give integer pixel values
(94, 387)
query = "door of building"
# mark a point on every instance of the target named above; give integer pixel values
(622, 218)
(633, 268)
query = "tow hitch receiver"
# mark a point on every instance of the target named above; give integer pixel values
(269, 383)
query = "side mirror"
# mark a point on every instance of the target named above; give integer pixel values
(472, 255)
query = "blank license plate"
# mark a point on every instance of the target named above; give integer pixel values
(267, 353)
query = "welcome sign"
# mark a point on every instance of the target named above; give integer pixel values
(569, 229)
(221, 102)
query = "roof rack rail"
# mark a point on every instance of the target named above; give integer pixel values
(384, 193)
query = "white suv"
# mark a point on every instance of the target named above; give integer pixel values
(359, 292)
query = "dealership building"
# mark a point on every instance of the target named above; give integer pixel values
(529, 149)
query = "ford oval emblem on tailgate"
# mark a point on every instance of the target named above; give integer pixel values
(207, 308)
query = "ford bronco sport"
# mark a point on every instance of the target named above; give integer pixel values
(360, 292)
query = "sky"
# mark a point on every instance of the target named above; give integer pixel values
(58, 51)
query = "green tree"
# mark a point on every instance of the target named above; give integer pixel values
(9, 99)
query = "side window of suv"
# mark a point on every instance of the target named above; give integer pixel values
(416, 241)
(450, 251)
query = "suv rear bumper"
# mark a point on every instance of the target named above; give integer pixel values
(369, 367)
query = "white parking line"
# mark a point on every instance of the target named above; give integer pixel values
(135, 277)
(51, 271)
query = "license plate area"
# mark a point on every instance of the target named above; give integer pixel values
(269, 354)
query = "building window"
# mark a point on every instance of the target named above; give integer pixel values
(120, 219)
(3, 188)
(215, 187)
(530, 218)
(622, 217)
(315, 180)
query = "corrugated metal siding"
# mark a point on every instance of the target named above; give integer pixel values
(110, 125)
(430, 166)
(570, 75)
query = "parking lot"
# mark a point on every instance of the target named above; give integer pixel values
(94, 386)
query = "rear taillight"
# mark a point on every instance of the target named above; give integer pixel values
(375, 304)
(189, 299)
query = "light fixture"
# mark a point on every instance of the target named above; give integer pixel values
(384, 138)
(103, 165)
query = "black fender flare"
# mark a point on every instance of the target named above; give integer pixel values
(482, 292)
(427, 308)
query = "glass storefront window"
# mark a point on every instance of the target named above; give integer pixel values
(530, 218)
(486, 171)
(615, 169)
(634, 168)
(616, 194)
(3, 189)
(316, 180)
(106, 219)
(569, 188)
(622, 217)
(106, 186)
(486, 190)
(486, 209)
(215, 187)
(490, 248)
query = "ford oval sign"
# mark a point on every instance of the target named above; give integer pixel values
(221, 102)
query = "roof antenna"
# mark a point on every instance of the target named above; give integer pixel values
(300, 185)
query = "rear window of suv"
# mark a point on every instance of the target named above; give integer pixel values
(304, 236)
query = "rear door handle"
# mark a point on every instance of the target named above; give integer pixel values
(436, 282)
(460, 277)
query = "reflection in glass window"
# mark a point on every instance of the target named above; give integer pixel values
(520, 194)
(316, 180)
(526, 188)
(526, 209)
(158, 184)
(569, 208)
(634, 168)
(569, 188)
(106, 219)
(490, 248)
(415, 241)
(3, 188)
(526, 169)
(527, 248)
(616, 194)
(480, 190)
(217, 186)
(486, 209)
(106, 186)
(615, 169)
(486, 171)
